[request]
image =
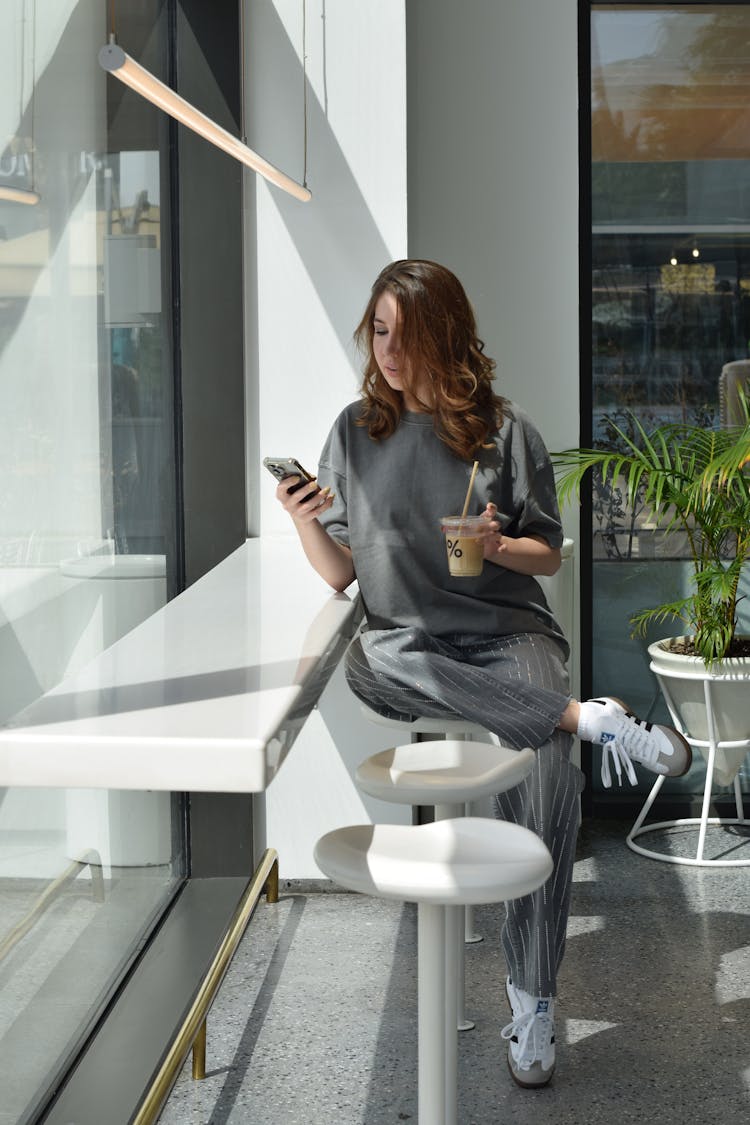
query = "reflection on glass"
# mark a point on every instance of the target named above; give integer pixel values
(670, 184)
(85, 461)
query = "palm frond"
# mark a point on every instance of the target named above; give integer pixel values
(679, 610)
(688, 477)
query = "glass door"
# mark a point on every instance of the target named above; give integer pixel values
(86, 507)
(670, 198)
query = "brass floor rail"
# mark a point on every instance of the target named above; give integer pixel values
(192, 1033)
(91, 859)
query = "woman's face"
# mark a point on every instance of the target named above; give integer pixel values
(394, 366)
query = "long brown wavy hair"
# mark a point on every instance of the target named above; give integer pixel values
(439, 339)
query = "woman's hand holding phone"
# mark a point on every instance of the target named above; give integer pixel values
(298, 491)
(301, 496)
(304, 502)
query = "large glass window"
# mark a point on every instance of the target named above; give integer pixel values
(670, 115)
(87, 496)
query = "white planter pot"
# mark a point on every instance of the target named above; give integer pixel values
(684, 680)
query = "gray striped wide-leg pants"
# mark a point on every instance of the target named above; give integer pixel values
(516, 687)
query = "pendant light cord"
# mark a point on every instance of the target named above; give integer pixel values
(304, 93)
(22, 63)
(33, 96)
(243, 131)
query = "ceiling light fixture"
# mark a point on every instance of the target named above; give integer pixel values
(18, 195)
(113, 59)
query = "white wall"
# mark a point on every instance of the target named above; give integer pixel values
(311, 265)
(493, 184)
(493, 193)
(309, 271)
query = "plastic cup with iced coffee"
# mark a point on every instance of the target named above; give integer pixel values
(464, 541)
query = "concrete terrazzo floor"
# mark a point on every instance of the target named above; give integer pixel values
(315, 1023)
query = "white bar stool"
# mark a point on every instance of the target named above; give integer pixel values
(448, 728)
(422, 724)
(441, 865)
(448, 774)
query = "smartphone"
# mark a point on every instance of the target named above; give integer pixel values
(283, 467)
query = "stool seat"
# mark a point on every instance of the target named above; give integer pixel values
(446, 771)
(447, 863)
(455, 726)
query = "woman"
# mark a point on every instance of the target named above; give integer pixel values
(486, 648)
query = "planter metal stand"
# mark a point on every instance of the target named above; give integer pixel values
(712, 744)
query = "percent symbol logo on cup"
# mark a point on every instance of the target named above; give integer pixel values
(454, 550)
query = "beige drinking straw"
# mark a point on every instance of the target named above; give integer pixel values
(468, 491)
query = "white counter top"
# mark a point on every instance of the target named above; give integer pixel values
(208, 694)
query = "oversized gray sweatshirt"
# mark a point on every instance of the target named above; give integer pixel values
(390, 497)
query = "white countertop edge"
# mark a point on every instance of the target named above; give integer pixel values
(171, 764)
(227, 774)
(240, 752)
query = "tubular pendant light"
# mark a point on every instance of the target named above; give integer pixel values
(18, 195)
(117, 62)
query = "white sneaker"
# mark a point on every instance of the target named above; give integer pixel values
(626, 739)
(531, 1035)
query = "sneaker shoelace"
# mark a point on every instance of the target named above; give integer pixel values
(640, 747)
(619, 758)
(534, 1031)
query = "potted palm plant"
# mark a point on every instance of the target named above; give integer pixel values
(693, 483)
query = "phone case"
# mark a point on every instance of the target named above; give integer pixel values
(283, 467)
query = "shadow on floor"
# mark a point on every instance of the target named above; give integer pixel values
(316, 1021)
